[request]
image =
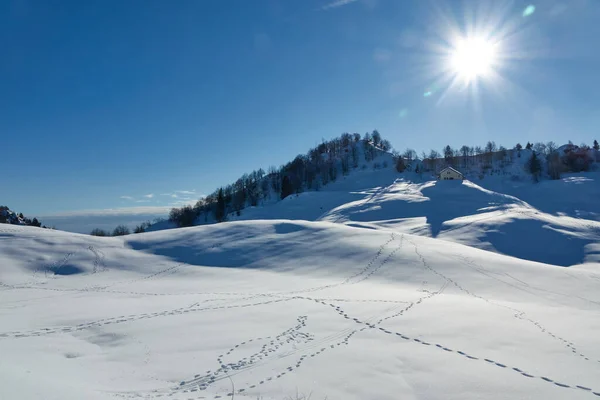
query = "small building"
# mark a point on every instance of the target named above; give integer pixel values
(449, 173)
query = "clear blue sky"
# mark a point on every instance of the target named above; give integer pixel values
(104, 102)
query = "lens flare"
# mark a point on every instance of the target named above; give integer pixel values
(529, 10)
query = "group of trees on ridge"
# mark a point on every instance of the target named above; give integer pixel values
(331, 159)
(324, 163)
(7, 216)
(492, 159)
(122, 230)
(320, 166)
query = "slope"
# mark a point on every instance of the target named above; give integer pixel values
(264, 308)
(559, 224)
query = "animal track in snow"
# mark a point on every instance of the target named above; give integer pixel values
(521, 314)
(132, 318)
(471, 357)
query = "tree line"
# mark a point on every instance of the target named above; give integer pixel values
(492, 158)
(320, 166)
(329, 160)
(7, 216)
(123, 230)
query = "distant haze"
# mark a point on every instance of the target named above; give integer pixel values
(85, 221)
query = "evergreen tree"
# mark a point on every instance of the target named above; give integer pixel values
(448, 153)
(220, 209)
(345, 165)
(518, 147)
(332, 172)
(400, 166)
(534, 166)
(596, 145)
(355, 156)
(286, 187)
(529, 146)
(368, 150)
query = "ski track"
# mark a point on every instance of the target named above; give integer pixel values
(135, 317)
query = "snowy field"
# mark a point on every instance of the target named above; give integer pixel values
(266, 309)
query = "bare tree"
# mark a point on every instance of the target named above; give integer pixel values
(409, 154)
(551, 147)
(121, 230)
(464, 151)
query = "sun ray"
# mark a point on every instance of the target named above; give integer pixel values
(472, 53)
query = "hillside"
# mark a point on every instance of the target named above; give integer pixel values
(379, 284)
(350, 155)
(497, 208)
(262, 309)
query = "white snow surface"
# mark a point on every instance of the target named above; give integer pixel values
(359, 309)
(553, 222)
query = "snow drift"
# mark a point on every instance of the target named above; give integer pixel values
(262, 309)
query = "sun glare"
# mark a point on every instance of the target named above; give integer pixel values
(473, 58)
(470, 53)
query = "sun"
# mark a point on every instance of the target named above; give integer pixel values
(473, 58)
(472, 53)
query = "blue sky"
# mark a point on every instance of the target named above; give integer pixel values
(112, 104)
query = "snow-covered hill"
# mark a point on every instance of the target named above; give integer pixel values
(497, 208)
(554, 222)
(378, 285)
(265, 309)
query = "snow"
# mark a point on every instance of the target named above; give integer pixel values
(268, 308)
(554, 222)
(378, 286)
